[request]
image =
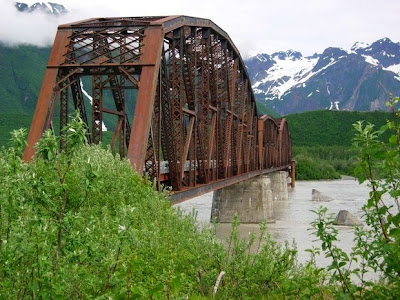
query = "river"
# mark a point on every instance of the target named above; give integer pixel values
(293, 217)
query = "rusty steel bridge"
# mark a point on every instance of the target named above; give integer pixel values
(179, 95)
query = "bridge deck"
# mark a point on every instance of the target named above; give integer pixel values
(188, 193)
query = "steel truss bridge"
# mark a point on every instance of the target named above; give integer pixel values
(179, 96)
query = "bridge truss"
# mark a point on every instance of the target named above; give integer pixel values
(179, 96)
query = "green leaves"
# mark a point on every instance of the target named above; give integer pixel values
(18, 140)
(377, 248)
(74, 134)
(311, 168)
(61, 218)
(47, 146)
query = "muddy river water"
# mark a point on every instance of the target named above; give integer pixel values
(293, 217)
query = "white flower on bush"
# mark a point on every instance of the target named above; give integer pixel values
(121, 228)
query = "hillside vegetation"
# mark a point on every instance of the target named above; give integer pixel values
(21, 74)
(322, 141)
(22, 69)
(82, 224)
(330, 128)
(262, 109)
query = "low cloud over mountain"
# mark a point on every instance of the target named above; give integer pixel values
(36, 23)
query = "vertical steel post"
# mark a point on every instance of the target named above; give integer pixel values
(47, 91)
(63, 112)
(152, 47)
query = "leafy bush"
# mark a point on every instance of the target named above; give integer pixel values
(82, 224)
(333, 160)
(308, 168)
(377, 247)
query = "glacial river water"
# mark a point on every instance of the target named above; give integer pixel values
(293, 217)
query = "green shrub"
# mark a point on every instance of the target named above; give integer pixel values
(312, 159)
(82, 224)
(308, 168)
(377, 247)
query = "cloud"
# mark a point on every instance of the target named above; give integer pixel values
(36, 28)
(17, 28)
(255, 26)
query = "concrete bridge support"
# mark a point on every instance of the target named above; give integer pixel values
(253, 199)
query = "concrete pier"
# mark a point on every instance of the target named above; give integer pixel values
(253, 199)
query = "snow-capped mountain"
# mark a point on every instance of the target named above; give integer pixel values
(46, 7)
(355, 79)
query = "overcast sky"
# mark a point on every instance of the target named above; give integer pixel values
(255, 26)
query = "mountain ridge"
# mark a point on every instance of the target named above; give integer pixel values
(45, 7)
(356, 79)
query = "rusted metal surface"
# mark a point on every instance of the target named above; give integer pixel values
(47, 93)
(180, 82)
(151, 49)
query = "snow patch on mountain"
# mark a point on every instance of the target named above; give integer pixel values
(359, 45)
(394, 69)
(371, 60)
(334, 105)
(261, 58)
(52, 9)
(287, 72)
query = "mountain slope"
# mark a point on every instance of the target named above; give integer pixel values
(262, 109)
(22, 69)
(358, 79)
